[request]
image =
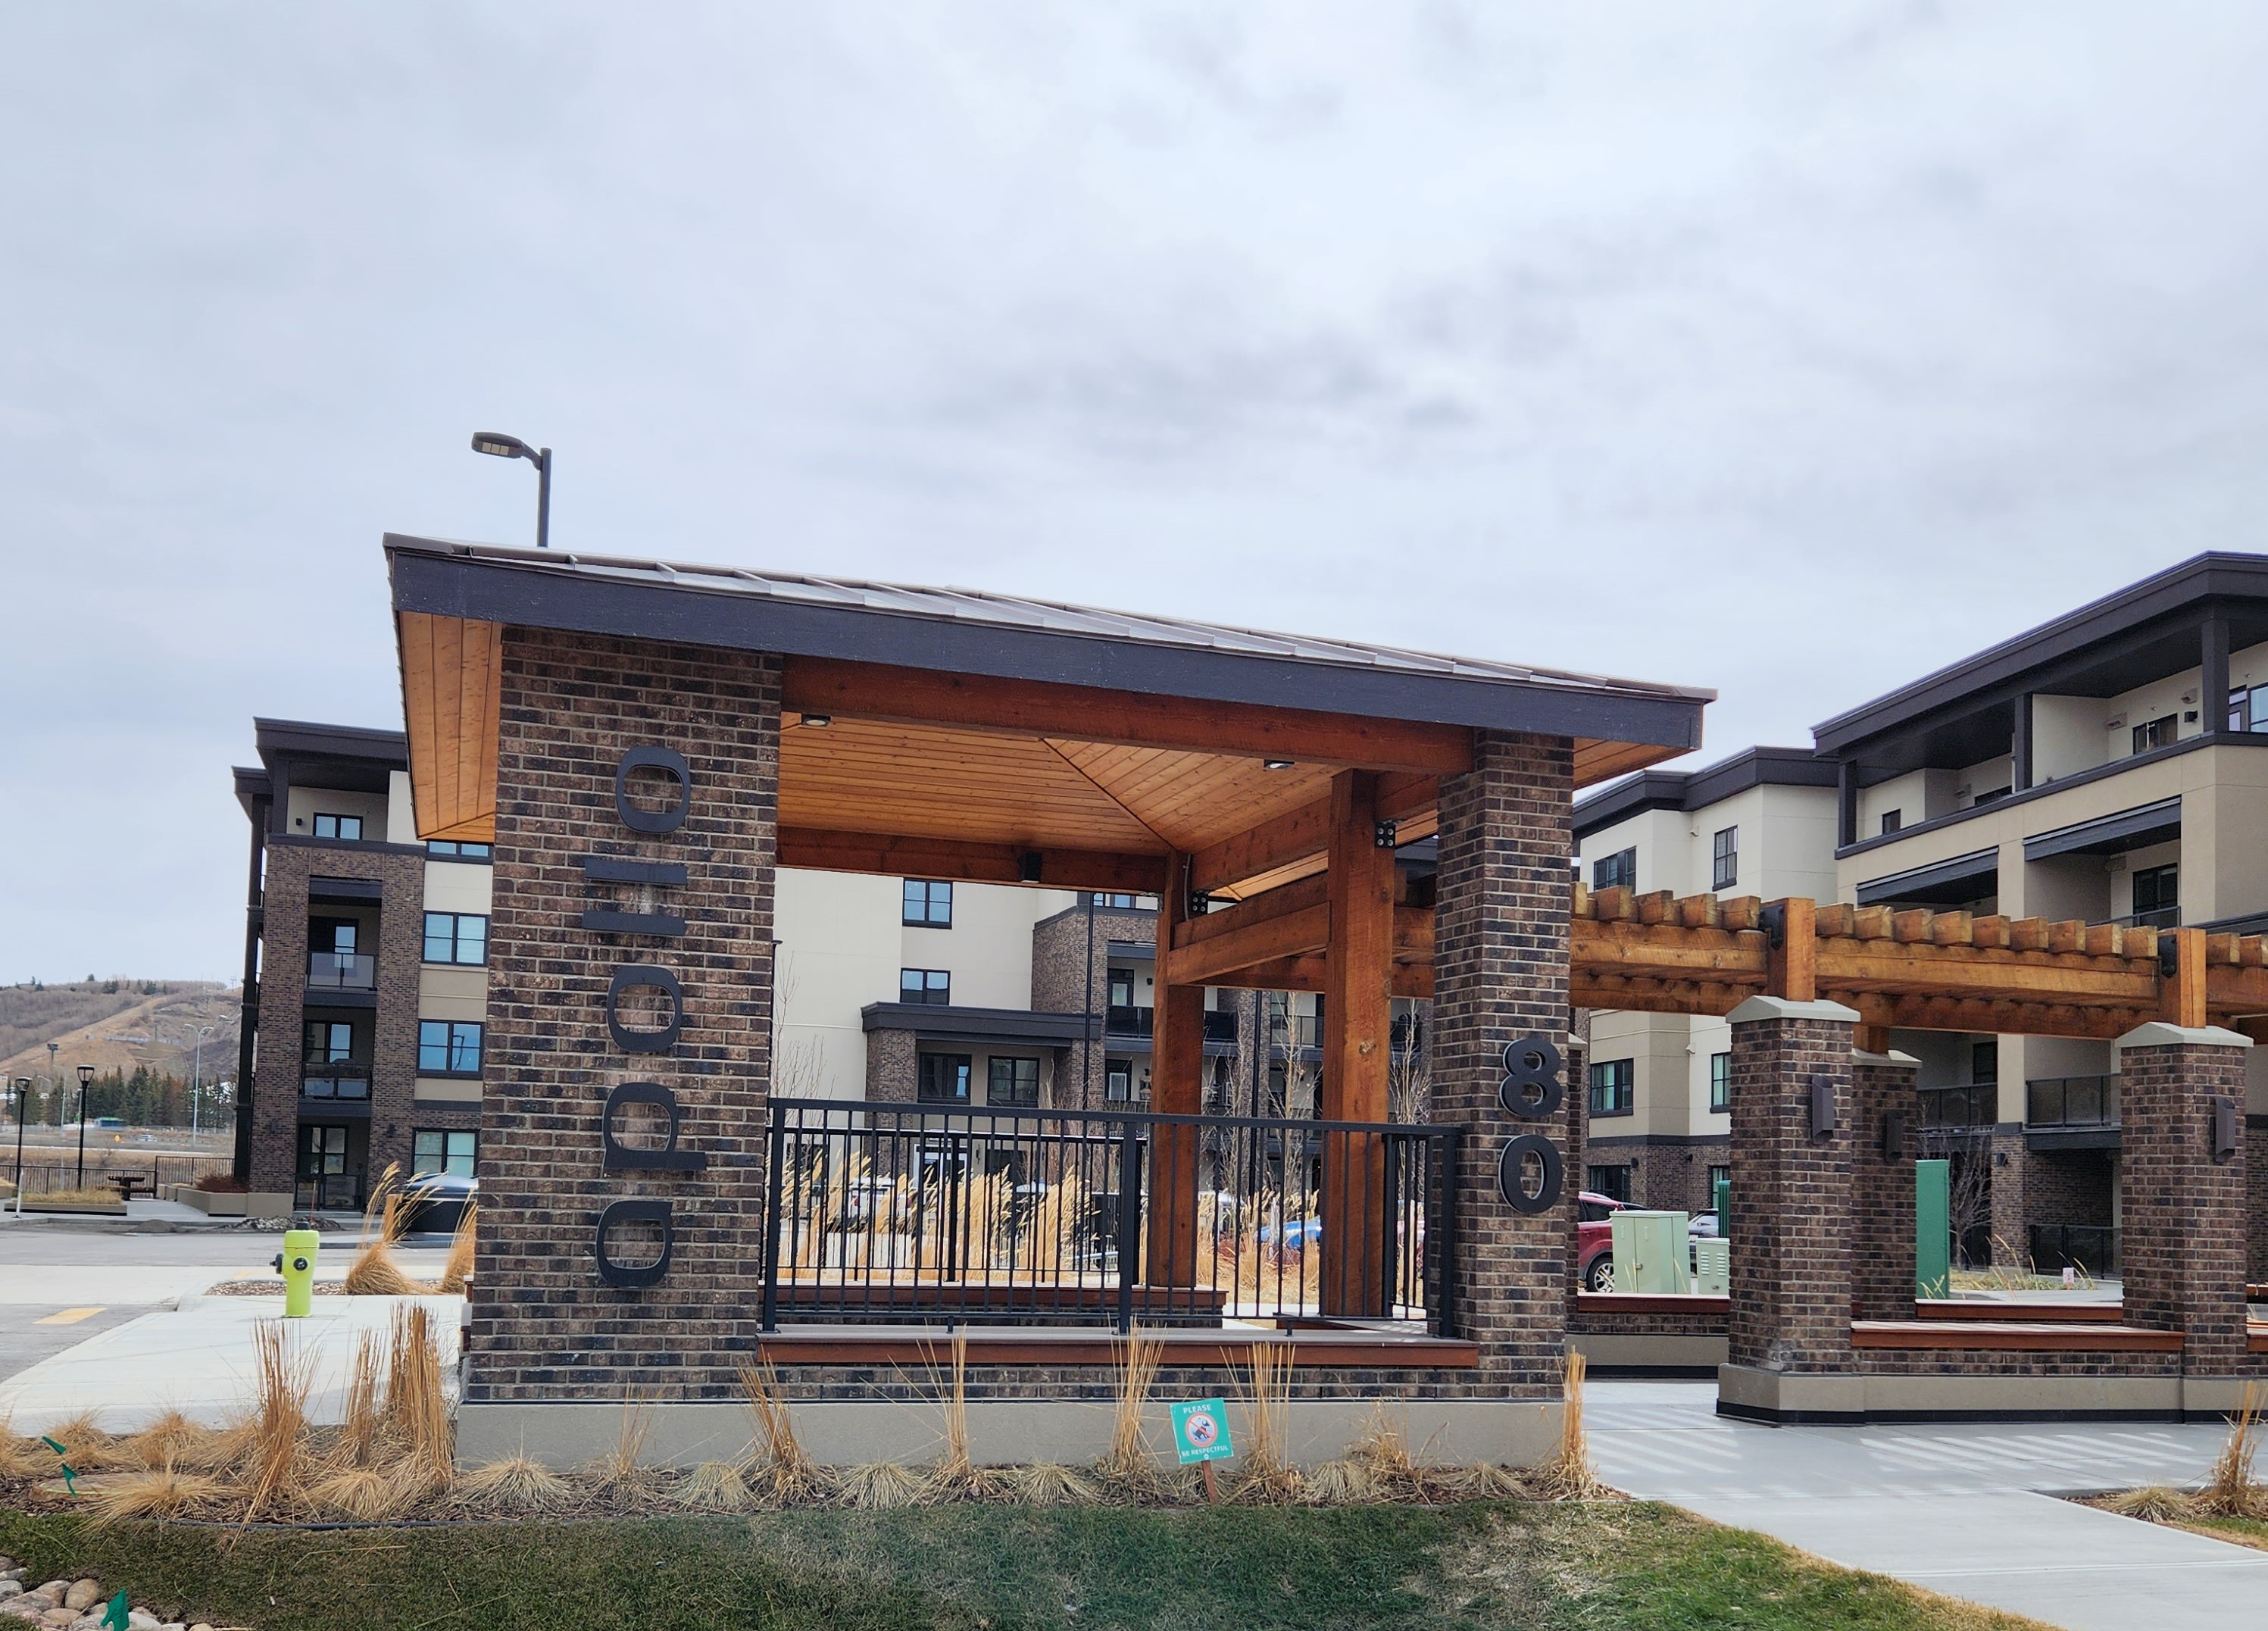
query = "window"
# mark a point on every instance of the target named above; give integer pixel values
(2158, 896)
(1989, 795)
(1721, 1082)
(456, 937)
(451, 849)
(1118, 1079)
(1122, 988)
(1892, 820)
(2157, 733)
(944, 1079)
(327, 1042)
(347, 827)
(1614, 1084)
(322, 1151)
(1724, 858)
(1122, 903)
(435, 1151)
(449, 1047)
(1617, 871)
(1612, 1182)
(335, 936)
(1012, 1082)
(931, 985)
(1984, 1061)
(1718, 1175)
(2247, 708)
(928, 905)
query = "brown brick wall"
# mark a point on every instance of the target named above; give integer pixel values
(1059, 969)
(1500, 972)
(1791, 1197)
(544, 1327)
(2182, 1223)
(2256, 1210)
(893, 1076)
(399, 871)
(2011, 1161)
(2071, 1187)
(1882, 1187)
(1665, 1174)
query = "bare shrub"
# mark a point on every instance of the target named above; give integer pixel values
(160, 1493)
(1266, 1476)
(457, 1273)
(2230, 1490)
(517, 1484)
(782, 1471)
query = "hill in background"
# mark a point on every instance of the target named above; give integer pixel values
(118, 1025)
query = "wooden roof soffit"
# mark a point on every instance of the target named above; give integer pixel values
(451, 674)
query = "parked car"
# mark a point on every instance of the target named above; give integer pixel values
(1594, 1240)
(435, 1202)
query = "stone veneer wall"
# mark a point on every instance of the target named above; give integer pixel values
(1500, 955)
(400, 872)
(2255, 1209)
(543, 1325)
(1790, 1283)
(1060, 968)
(892, 1066)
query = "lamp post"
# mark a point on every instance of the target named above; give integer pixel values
(86, 1081)
(23, 1103)
(196, 1077)
(54, 1077)
(498, 445)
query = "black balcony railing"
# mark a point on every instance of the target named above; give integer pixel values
(333, 1192)
(1977, 1104)
(899, 1212)
(337, 1080)
(341, 971)
(1298, 1030)
(2156, 918)
(1126, 1019)
(1219, 1026)
(2090, 1248)
(2071, 1101)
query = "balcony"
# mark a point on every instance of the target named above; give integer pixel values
(1126, 1019)
(1304, 1031)
(2157, 918)
(2060, 1102)
(341, 971)
(1974, 1105)
(334, 1080)
(1219, 1026)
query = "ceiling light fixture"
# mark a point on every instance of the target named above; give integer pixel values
(1276, 764)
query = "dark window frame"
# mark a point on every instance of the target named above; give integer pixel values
(458, 849)
(935, 990)
(452, 1043)
(1724, 857)
(2165, 881)
(1023, 1086)
(927, 1065)
(1610, 1179)
(1618, 1079)
(455, 939)
(1893, 820)
(310, 1058)
(924, 916)
(2161, 731)
(337, 834)
(1617, 871)
(1721, 1082)
(446, 1134)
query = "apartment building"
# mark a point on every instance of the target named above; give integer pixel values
(1761, 823)
(365, 986)
(2109, 764)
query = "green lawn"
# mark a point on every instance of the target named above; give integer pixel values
(2251, 1531)
(1497, 1565)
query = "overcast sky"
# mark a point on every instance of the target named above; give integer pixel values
(1788, 350)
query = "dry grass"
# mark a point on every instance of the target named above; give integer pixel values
(364, 1417)
(1050, 1484)
(277, 1453)
(367, 1495)
(1382, 1450)
(417, 1413)
(86, 1195)
(883, 1484)
(21, 1456)
(1127, 1465)
(458, 1272)
(2157, 1503)
(174, 1440)
(1266, 1476)
(1480, 1481)
(1344, 1482)
(621, 1473)
(518, 1484)
(954, 1477)
(784, 1473)
(87, 1447)
(715, 1486)
(1569, 1475)
(2230, 1490)
(159, 1493)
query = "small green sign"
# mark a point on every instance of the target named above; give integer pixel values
(1201, 1431)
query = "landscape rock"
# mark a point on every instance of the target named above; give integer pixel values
(83, 1595)
(9, 1588)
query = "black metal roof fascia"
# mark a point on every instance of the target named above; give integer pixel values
(1695, 790)
(1982, 679)
(307, 741)
(2106, 835)
(251, 785)
(942, 1023)
(1958, 869)
(493, 591)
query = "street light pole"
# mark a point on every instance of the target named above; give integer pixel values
(196, 1076)
(86, 1081)
(23, 1103)
(498, 445)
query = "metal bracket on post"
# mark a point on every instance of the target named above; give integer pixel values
(1383, 834)
(2224, 1126)
(1774, 919)
(1823, 1106)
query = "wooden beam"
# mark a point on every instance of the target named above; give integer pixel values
(956, 861)
(869, 691)
(1791, 970)
(1266, 907)
(1303, 834)
(1177, 1088)
(1406, 979)
(1597, 947)
(1358, 1018)
(2185, 992)
(1296, 934)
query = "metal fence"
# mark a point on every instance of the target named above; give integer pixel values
(2089, 1248)
(2071, 1101)
(1066, 1217)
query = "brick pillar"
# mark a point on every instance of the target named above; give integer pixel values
(1883, 1086)
(1790, 1333)
(545, 1326)
(2255, 1185)
(1579, 1128)
(2011, 1233)
(2184, 1211)
(1499, 974)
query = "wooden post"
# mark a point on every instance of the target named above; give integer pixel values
(1358, 1015)
(2183, 985)
(1177, 1088)
(1792, 967)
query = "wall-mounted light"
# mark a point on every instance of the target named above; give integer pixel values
(818, 721)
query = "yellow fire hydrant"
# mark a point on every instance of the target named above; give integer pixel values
(297, 1263)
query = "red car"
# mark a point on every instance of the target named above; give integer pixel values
(1594, 1239)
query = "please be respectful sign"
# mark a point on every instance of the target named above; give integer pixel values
(1201, 1431)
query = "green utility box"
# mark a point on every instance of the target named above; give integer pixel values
(1932, 1228)
(1649, 1250)
(1712, 1267)
(1722, 1200)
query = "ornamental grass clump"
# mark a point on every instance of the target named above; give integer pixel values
(174, 1440)
(21, 1456)
(1382, 1450)
(2230, 1490)
(2155, 1503)
(86, 1446)
(1051, 1484)
(518, 1484)
(714, 1487)
(1569, 1475)
(954, 1476)
(277, 1461)
(374, 1273)
(1266, 1476)
(1129, 1471)
(159, 1493)
(416, 1423)
(880, 1485)
(621, 1473)
(780, 1472)
(457, 1273)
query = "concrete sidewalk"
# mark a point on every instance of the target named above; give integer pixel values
(198, 1358)
(1967, 1510)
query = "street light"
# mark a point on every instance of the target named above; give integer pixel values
(498, 445)
(86, 1081)
(23, 1100)
(196, 1075)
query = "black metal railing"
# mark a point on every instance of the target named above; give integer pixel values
(1974, 1104)
(337, 1080)
(1062, 1217)
(1125, 1020)
(2092, 1249)
(332, 1192)
(2154, 917)
(341, 971)
(1221, 1026)
(2071, 1101)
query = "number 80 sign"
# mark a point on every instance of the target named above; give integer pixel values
(1531, 1090)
